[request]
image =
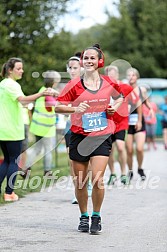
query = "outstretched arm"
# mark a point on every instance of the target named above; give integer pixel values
(24, 100)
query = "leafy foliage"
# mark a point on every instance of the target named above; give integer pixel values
(29, 30)
(138, 35)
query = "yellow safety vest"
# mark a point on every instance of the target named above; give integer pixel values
(43, 122)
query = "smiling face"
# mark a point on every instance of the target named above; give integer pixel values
(17, 72)
(74, 69)
(90, 60)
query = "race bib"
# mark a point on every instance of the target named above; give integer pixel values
(133, 118)
(96, 121)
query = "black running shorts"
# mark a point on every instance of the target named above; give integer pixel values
(120, 135)
(132, 130)
(82, 148)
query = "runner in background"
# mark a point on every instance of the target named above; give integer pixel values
(121, 121)
(136, 131)
(75, 70)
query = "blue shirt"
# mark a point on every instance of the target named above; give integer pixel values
(163, 108)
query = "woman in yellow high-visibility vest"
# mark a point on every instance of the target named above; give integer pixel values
(43, 126)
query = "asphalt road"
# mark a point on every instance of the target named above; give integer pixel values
(134, 218)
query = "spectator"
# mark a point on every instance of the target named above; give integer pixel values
(23, 156)
(43, 124)
(12, 125)
(163, 111)
(150, 122)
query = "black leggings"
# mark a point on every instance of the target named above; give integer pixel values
(9, 167)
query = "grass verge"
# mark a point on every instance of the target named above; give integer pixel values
(35, 180)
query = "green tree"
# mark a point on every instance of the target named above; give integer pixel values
(139, 35)
(150, 21)
(28, 31)
(47, 54)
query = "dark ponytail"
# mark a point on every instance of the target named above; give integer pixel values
(9, 65)
(3, 71)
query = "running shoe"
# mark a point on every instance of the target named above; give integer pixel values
(10, 197)
(124, 179)
(84, 224)
(112, 179)
(95, 227)
(48, 173)
(24, 173)
(130, 175)
(141, 173)
(74, 201)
